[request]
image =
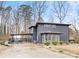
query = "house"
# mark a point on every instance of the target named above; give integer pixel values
(43, 32)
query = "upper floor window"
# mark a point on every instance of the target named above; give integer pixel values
(53, 26)
(47, 25)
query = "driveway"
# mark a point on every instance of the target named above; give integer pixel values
(30, 51)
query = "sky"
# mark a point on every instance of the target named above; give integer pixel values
(72, 13)
(16, 3)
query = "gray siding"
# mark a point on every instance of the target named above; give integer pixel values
(59, 28)
(34, 34)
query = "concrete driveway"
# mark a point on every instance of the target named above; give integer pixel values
(30, 51)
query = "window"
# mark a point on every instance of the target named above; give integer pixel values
(50, 38)
(47, 25)
(44, 38)
(55, 37)
(53, 26)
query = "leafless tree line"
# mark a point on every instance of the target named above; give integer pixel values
(36, 11)
(18, 20)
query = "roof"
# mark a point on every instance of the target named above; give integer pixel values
(21, 34)
(32, 26)
(48, 23)
(52, 23)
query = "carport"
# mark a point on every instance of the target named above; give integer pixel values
(21, 38)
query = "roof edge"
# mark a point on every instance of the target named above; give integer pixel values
(49, 23)
(52, 23)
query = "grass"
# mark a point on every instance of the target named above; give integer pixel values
(61, 51)
(72, 48)
(4, 37)
(54, 43)
(47, 43)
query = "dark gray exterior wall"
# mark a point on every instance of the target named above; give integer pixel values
(59, 28)
(35, 34)
(33, 30)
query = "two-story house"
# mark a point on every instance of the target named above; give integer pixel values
(50, 31)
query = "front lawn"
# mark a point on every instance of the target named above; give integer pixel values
(71, 48)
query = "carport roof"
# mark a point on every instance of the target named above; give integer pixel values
(22, 34)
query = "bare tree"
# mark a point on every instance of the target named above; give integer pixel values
(75, 26)
(1, 15)
(1, 5)
(60, 9)
(16, 20)
(38, 8)
(8, 18)
(1, 8)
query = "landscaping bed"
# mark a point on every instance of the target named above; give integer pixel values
(72, 49)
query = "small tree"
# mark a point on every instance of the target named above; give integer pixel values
(74, 25)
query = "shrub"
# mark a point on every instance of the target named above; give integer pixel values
(49, 47)
(47, 43)
(71, 42)
(54, 43)
(61, 51)
(60, 42)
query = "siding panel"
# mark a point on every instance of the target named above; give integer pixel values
(59, 28)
